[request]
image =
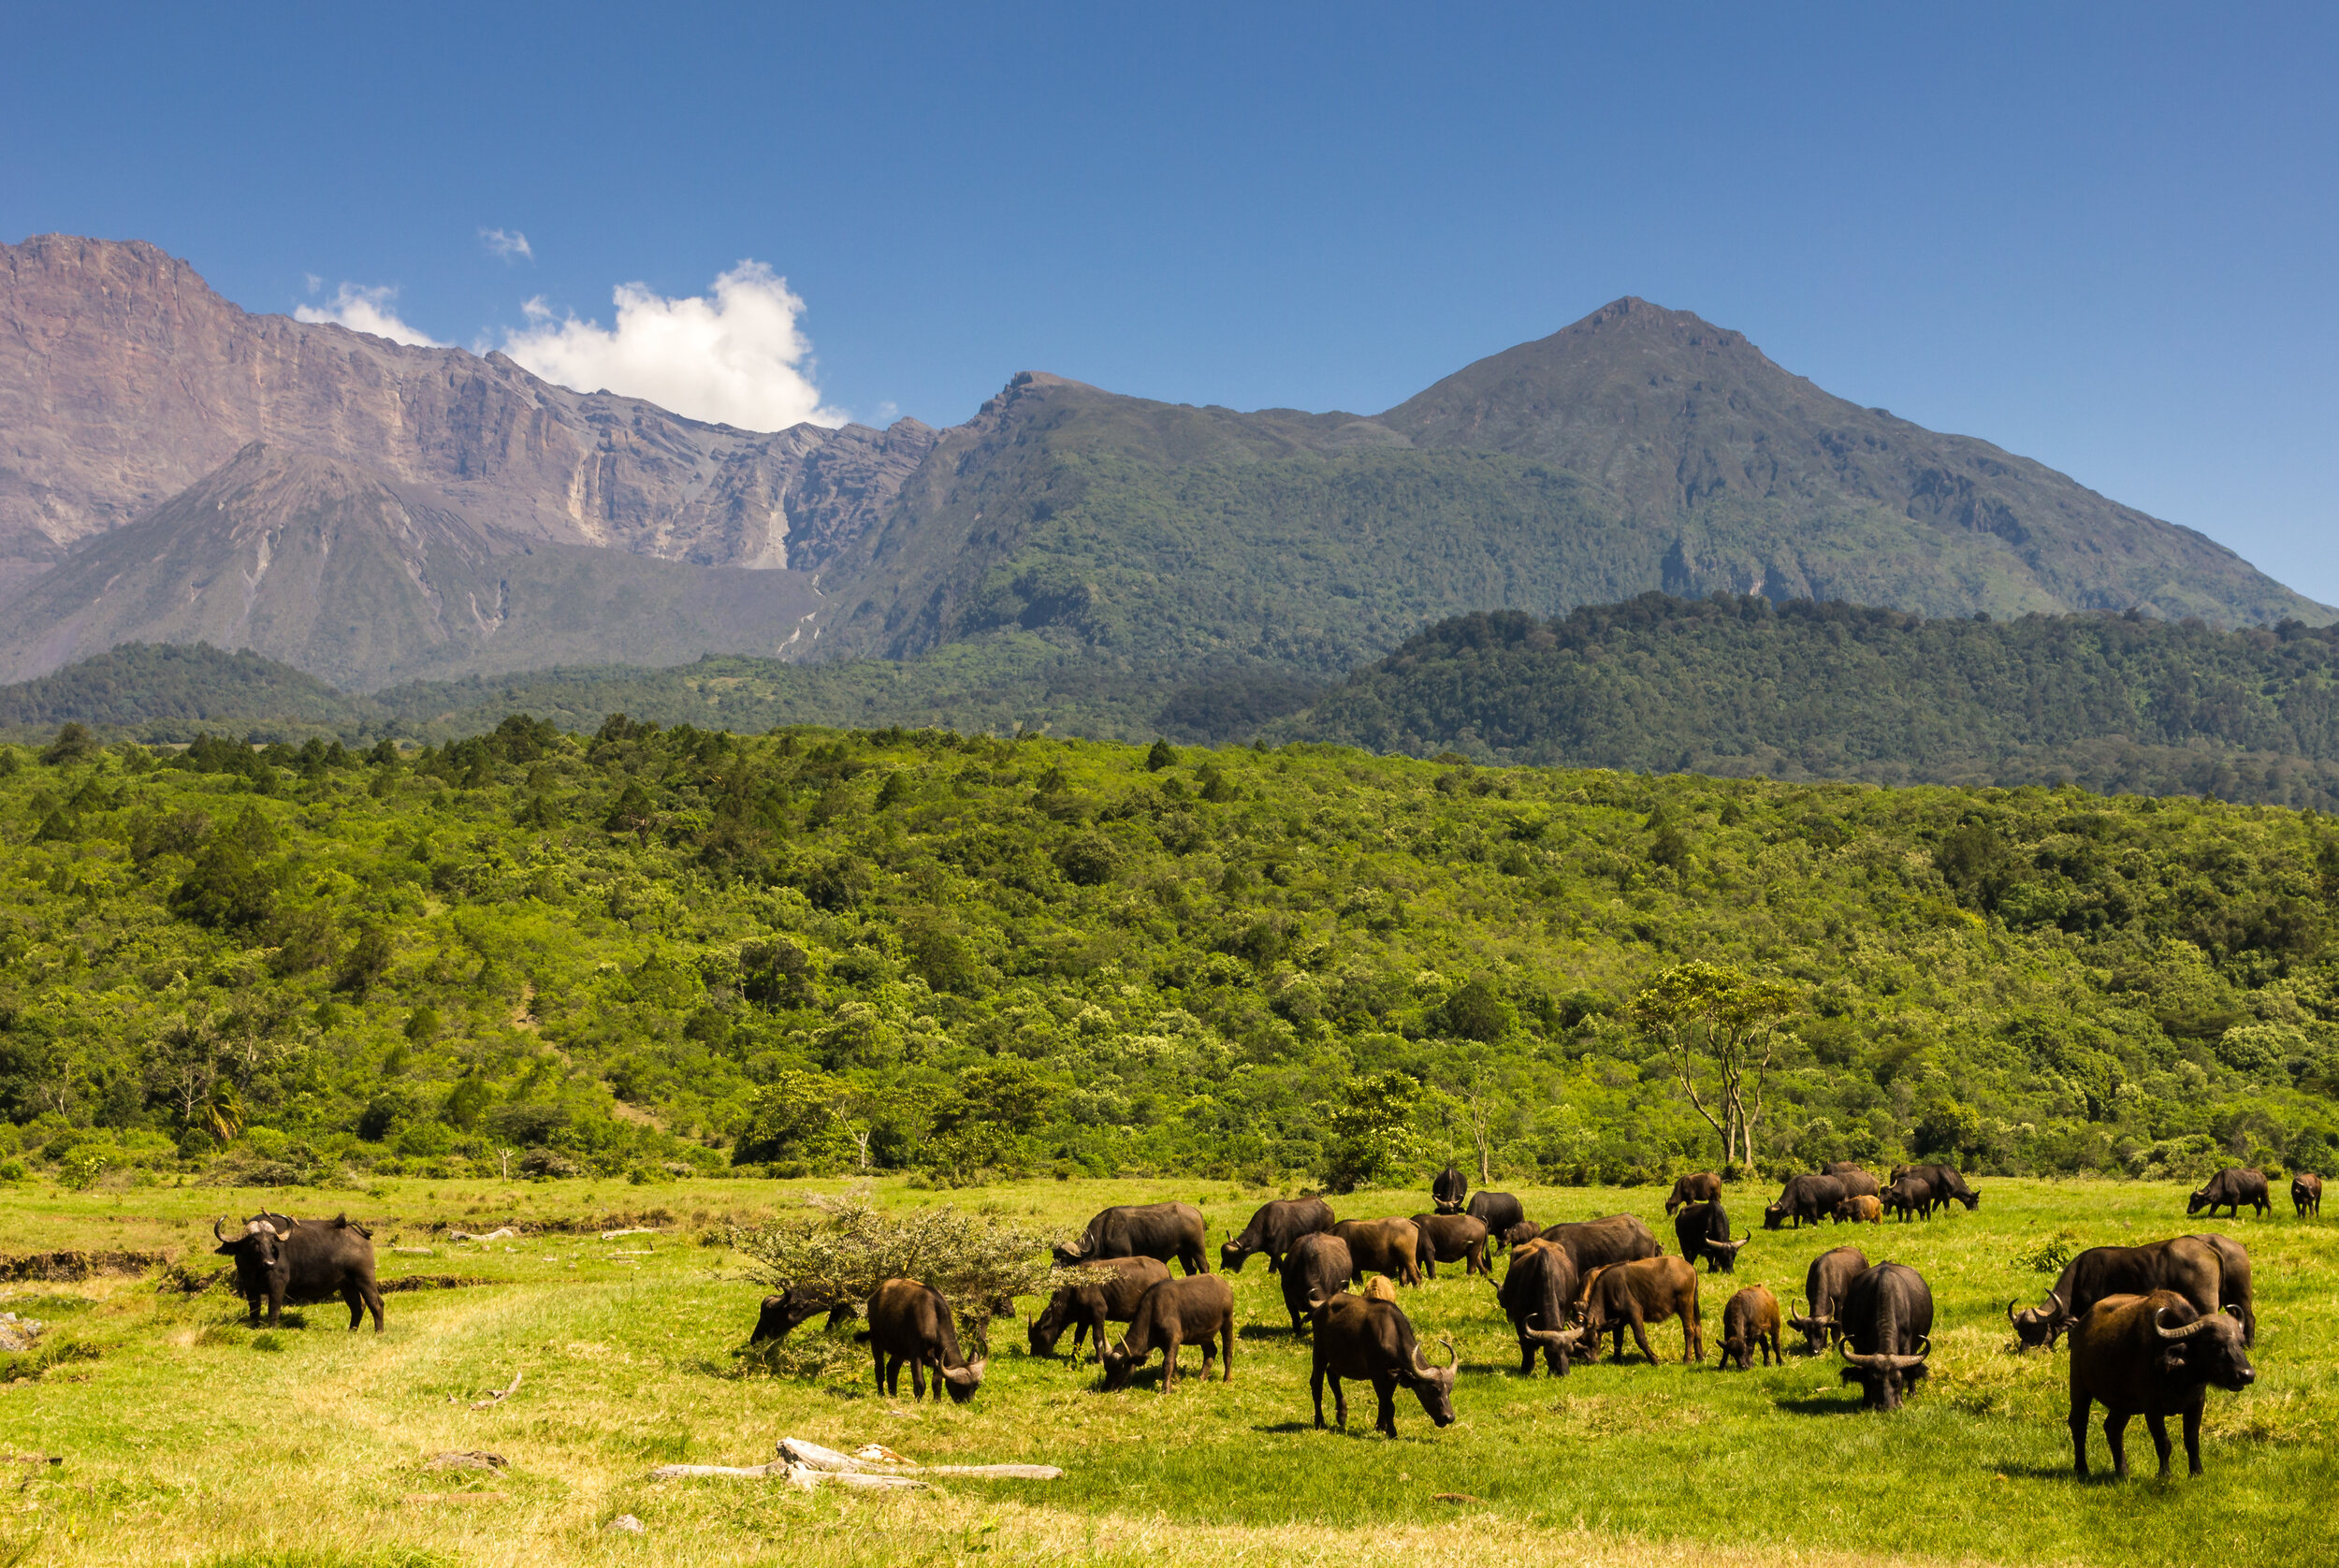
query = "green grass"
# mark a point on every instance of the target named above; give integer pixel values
(187, 1438)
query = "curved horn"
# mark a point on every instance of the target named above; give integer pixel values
(1731, 1245)
(2056, 1298)
(1859, 1360)
(1315, 1300)
(2009, 1312)
(1566, 1339)
(1453, 1356)
(2198, 1326)
(269, 1229)
(218, 1234)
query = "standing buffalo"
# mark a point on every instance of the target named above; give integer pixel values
(1161, 1230)
(1630, 1294)
(1390, 1246)
(2233, 1283)
(1859, 1209)
(1086, 1309)
(1856, 1182)
(1701, 1187)
(1887, 1325)
(911, 1322)
(1824, 1284)
(2229, 1189)
(1447, 1189)
(1535, 1293)
(2306, 1191)
(1170, 1313)
(1497, 1210)
(1272, 1230)
(1597, 1244)
(2150, 1355)
(1451, 1238)
(1375, 1341)
(1803, 1198)
(280, 1260)
(1703, 1230)
(1944, 1181)
(1910, 1196)
(1317, 1268)
(1750, 1321)
(2188, 1265)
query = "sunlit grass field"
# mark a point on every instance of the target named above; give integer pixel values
(186, 1438)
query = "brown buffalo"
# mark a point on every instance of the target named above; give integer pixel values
(1856, 1182)
(1702, 1187)
(1375, 1341)
(1597, 1244)
(1859, 1210)
(1452, 1239)
(911, 1322)
(1194, 1310)
(1629, 1296)
(1750, 1320)
(1377, 1289)
(1385, 1246)
(2150, 1355)
(1086, 1309)
(2306, 1193)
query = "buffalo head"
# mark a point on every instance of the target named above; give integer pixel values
(1885, 1377)
(2195, 1202)
(1816, 1329)
(260, 1245)
(2035, 1326)
(1067, 1254)
(2208, 1349)
(1724, 1255)
(1433, 1385)
(963, 1381)
(1774, 1216)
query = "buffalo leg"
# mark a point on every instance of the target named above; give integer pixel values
(2079, 1434)
(1640, 1337)
(2192, 1441)
(917, 1378)
(2115, 1438)
(356, 1305)
(1526, 1357)
(1770, 1349)
(1226, 1366)
(2158, 1427)
(1316, 1383)
(275, 1305)
(1385, 1390)
(879, 1355)
(1169, 1360)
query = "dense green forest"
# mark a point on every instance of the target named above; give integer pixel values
(647, 950)
(1738, 685)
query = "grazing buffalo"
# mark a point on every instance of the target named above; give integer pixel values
(1859, 1209)
(1170, 1313)
(1375, 1341)
(1497, 1210)
(1824, 1282)
(1597, 1244)
(2155, 1357)
(280, 1260)
(1630, 1296)
(1377, 1289)
(1856, 1182)
(1390, 1246)
(1910, 1198)
(1701, 1187)
(1944, 1181)
(1524, 1231)
(2229, 1189)
(1317, 1268)
(1887, 1325)
(1086, 1309)
(1803, 1198)
(1703, 1230)
(2233, 1283)
(1535, 1293)
(1750, 1321)
(2306, 1191)
(1162, 1230)
(2188, 1265)
(910, 1321)
(783, 1313)
(1447, 1190)
(1272, 1230)
(1452, 1239)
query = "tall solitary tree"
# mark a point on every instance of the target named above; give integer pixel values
(1720, 1026)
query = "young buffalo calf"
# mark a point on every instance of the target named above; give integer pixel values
(911, 1322)
(1195, 1310)
(1860, 1209)
(1751, 1319)
(1630, 1294)
(2151, 1355)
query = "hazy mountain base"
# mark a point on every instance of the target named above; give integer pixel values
(683, 948)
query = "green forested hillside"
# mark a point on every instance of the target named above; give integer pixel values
(650, 949)
(1741, 686)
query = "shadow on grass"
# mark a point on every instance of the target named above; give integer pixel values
(1278, 1332)
(1822, 1404)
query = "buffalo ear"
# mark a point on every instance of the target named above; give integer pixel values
(225, 1249)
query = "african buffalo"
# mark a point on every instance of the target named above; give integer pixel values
(1375, 1341)
(1887, 1325)
(2229, 1189)
(1447, 1189)
(1388, 1246)
(1856, 1182)
(2155, 1357)
(1910, 1196)
(1497, 1210)
(783, 1313)
(1525, 1230)
(1162, 1230)
(1272, 1230)
(2188, 1265)
(280, 1260)
(1824, 1282)
(1859, 1209)
(1452, 1239)
(1316, 1267)
(910, 1321)
(1173, 1312)
(1750, 1321)
(1701, 1187)
(1703, 1230)
(1086, 1309)
(2306, 1191)
(1626, 1296)
(2233, 1282)
(1944, 1181)
(1597, 1244)
(1377, 1289)
(1536, 1295)
(1803, 1198)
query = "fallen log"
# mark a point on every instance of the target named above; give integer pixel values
(812, 1455)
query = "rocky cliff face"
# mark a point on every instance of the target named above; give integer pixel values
(123, 378)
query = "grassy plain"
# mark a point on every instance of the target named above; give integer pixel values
(186, 1438)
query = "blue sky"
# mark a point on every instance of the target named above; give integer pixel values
(2100, 236)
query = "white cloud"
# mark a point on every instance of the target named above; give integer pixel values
(736, 358)
(367, 310)
(506, 243)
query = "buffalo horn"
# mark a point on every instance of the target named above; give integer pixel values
(1731, 1245)
(1563, 1338)
(2009, 1312)
(2054, 1298)
(2196, 1326)
(269, 1229)
(1880, 1362)
(219, 1234)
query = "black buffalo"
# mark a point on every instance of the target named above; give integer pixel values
(1451, 1238)
(1375, 1341)
(1887, 1323)
(1910, 1196)
(2150, 1355)
(1161, 1230)
(1525, 1230)
(1703, 1230)
(1497, 1210)
(280, 1260)
(1317, 1268)
(1170, 1313)
(1944, 1181)
(910, 1321)
(1447, 1189)
(1824, 1285)
(783, 1313)
(1597, 1244)
(2188, 1265)
(1086, 1309)
(1272, 1230)
(1536, 1295)
(1803, 1198)
(2229, 1189)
